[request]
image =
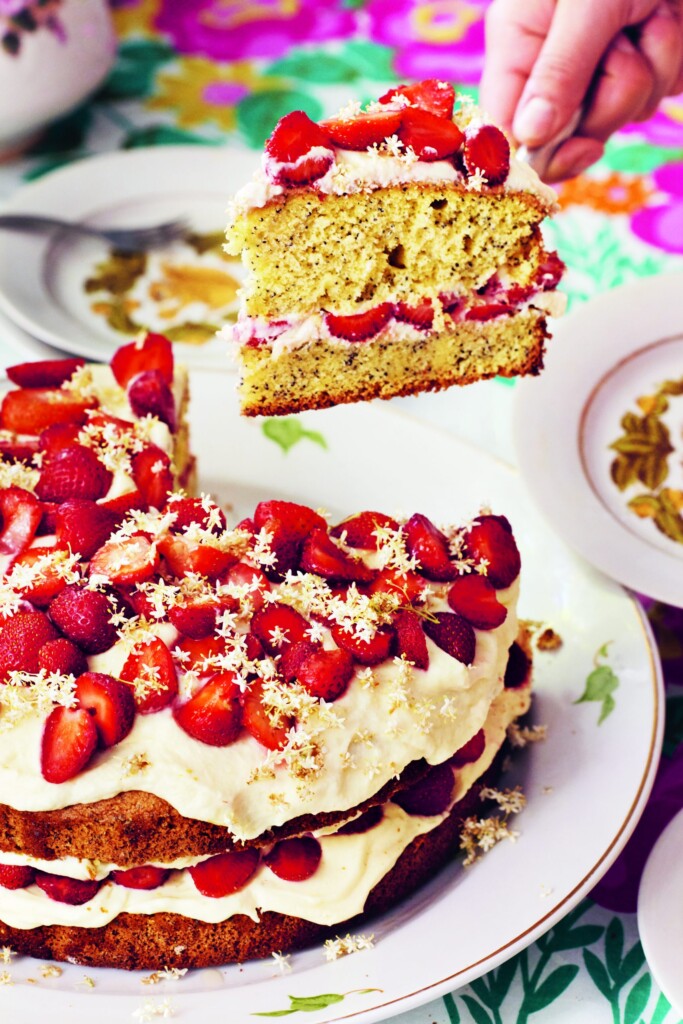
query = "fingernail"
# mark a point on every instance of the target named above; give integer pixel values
(535, 122)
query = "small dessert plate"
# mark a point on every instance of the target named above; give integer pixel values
(660, 922)
(599, 435)
(82, 297)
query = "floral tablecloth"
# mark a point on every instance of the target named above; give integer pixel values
(222, 72)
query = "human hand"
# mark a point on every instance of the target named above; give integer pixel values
(545, 58)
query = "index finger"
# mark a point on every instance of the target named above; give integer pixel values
(515, 34)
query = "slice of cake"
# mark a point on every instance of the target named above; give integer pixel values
(217, 743)
(390, 250)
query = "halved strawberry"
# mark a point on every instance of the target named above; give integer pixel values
(430, 137)
(200, 654)
(72, 472)
(124, 503)
(290, 145)
(359, 326)
(196, 511)
(277, 625)
(363, 129)
(74, 891)
(110, 703)
(48, 522)
(59, 435)
(83, 616)
(294, 860)
(83, 526)
(44, 373)
(360, 530)
(487, 151)
(69, 741)
(184, 556)
(195, 619)
(63, 657)
(430, 547)
(12, 450)
(49, 581)
(550, 272)
(266, 726)
(147, 876)
(293, 656)
(151, 662)
(152, 475)
(490, 541)
(488, 311)
(320, 555)
(406, 585)
(326, 674)
(288, 525)
(363, 823)
(431, 795)
(420, 316)
(213, 715)
(16, 876)
(470, 751)
(517, 668)
(153, 352)
(366, 652)
(33, 410)
(226, 873)
(251, 584)
(474, 597)
(125, 560)
(21, 513)
(452, 634)
(150, 395)
(411, 643)
(21, 638)
(429, 94)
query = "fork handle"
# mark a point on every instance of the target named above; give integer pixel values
(37, 223)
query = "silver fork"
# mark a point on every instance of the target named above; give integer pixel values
(156, 236)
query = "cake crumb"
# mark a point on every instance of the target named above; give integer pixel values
(283, 962)
(521, 735)
(344, 946)
(149, 1010)
(87, 981)
(549, 640)
(51, 971)
(6, 954)
(6, 978)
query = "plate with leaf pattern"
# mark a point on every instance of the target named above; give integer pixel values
(598, 701)
(599, 435)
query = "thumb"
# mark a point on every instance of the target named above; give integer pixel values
(580, 33)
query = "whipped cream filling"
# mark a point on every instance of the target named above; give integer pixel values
(350, 866)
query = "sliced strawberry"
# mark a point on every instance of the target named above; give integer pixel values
(293, 656)
(550, 272)
(110, 703)
(277, 625)
(83, 616)
(487, 152)
(49, 580)
(517, 668)
(21, 513)
(294, 860)
(16, 876)
(320, 555)
(251, 584)
(406, 585)
(359, 326)
(196, 512)
(452, 634)
(363, 823)
(420, 316)
(429, 94)
(31, 411)
(470, 751)
(69, 741)
(429, 136)
(262, 723)
(184, 556)
(366, 652)
(364, 129)
(474, 597)
(72, 472)
(83, 526)
(200, 655)
(195, 619)
(153, 352)
(327, 674)
(18, 451)
(490, 542)
(488, 311)
(147, 876)
(290, 145)
(62, 657)
(150, 395)
(48, 522)
(411, 643)
(151, 662)
(288, 525)
(125, 560)
(305, 170)
(226, 873)
(124, 503)
(74, 891)
(44, 373)
(213, 715)
(360, 530)
(431, 795)
(253, 647)
(59, 435)
(21, 638)
(429, 546)
(152, 475)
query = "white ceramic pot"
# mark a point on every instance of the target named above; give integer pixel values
(48, 70)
